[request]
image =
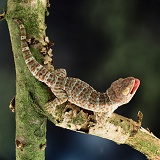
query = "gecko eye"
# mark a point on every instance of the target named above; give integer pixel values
(126, 91)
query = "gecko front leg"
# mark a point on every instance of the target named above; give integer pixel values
(61, 72)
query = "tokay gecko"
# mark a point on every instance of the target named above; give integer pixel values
(75, 90)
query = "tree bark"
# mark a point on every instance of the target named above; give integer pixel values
(30, 93)
(31, 96)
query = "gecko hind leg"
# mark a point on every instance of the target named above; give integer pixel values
(61, 97)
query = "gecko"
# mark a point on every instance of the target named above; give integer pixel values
(75, 90)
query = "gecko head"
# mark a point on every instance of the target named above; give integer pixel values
(122, 90)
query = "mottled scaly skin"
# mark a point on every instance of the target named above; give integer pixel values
(75, 90)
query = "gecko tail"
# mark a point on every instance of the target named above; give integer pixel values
(35, 68)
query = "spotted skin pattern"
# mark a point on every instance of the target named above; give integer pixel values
(75, 90)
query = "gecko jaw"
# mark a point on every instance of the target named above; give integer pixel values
(136, 85)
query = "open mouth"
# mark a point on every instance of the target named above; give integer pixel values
(136, 85)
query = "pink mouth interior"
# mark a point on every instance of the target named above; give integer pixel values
(136, 85)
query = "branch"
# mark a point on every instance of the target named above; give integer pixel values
(115, 127)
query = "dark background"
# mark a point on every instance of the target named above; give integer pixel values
(98, 42)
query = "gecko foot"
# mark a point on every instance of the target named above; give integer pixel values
(49, 107)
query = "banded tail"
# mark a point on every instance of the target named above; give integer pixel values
(38, 71)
